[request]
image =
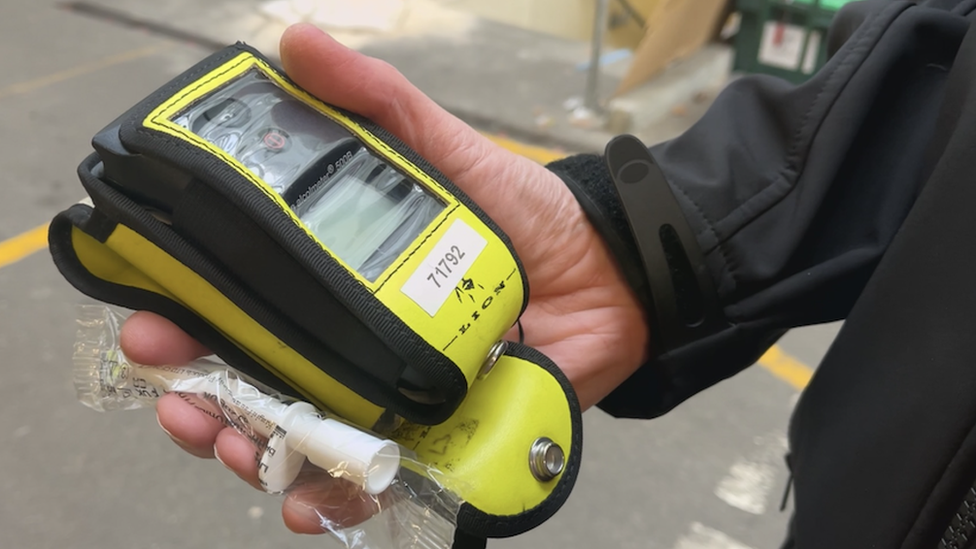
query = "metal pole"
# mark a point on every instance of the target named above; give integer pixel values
(591, 100)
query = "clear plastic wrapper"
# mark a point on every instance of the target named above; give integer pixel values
(368, 491)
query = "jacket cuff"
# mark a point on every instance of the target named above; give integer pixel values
(690, 355)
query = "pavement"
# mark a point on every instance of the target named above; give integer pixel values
(710, 475)
(463, 61)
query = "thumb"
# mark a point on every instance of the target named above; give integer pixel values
(374, 89)
(526, 200)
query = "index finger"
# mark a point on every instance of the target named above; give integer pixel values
(150, 339)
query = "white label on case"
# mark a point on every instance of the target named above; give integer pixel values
(431, 284)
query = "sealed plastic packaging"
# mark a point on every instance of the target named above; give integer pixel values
(370, 492)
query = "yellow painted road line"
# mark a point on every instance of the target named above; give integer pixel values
(81, 70)
(22, 245)
(786, 368)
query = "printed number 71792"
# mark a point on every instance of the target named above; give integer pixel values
(443, 266)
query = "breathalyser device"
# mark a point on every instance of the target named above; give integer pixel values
(313, 251)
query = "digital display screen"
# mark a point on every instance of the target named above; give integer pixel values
(364, 210)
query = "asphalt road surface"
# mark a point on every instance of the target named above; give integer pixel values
(708, 476)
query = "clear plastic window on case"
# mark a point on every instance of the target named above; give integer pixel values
(364, 210)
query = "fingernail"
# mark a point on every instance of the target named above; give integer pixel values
(217, 457)
(307, 27)
(330, 507)
(170, 435)
(315, 521)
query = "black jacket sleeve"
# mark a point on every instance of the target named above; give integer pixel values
(794, 192)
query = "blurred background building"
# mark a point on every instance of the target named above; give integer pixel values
(642, 59)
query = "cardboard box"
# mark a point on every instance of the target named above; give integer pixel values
(571, 19)
(675, 30)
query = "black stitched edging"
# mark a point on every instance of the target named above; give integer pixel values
(66, 261)
(433, 230)
(425, 166)
(478, 523)
(120, 210)
(279, 226)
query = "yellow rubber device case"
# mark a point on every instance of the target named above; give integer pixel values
(260, 256)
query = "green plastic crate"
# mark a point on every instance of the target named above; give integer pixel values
(783, 38)
(831, 5)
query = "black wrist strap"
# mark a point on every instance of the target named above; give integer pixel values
(685, 303)
(630, 203)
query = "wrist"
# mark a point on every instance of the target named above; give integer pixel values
(631, 205)
(587, 177)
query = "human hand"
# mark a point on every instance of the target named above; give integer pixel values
(581, 313)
